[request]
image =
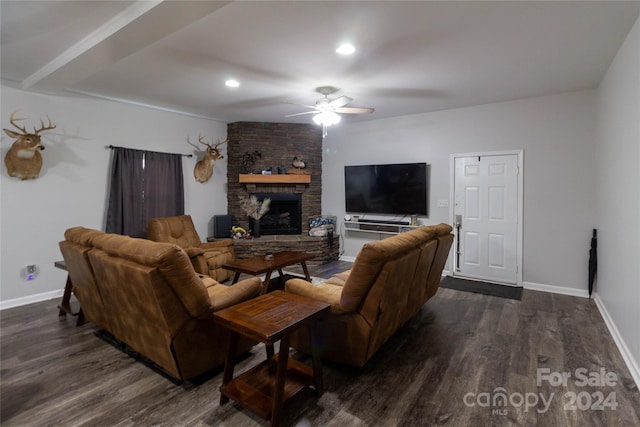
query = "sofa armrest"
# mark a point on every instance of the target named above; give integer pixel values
(218, 244)
(198, 261)
(324, 292)
(193, 252)
(223, 296)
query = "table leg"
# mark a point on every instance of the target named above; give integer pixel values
(265, 284)
(306, 271)
(270, 351)
(81, 319)
(65, 304)
(315, 358)
(283, 359)
(235, 278)
(229, 364)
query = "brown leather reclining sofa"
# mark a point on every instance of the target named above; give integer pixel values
(389, 282)
(147, 295)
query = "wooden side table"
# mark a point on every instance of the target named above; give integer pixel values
(65, 304)
(269, 318)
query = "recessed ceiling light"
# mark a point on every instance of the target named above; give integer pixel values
(346, 49)
(232, 83)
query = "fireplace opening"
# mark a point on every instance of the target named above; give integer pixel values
(284, 215)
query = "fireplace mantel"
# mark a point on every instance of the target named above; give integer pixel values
(253, 181)
(247, 178)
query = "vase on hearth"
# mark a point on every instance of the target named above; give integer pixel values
(255, 227)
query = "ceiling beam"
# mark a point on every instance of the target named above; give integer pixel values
(133, 29)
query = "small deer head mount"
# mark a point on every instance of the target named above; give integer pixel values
(23, 160)
(204, 168)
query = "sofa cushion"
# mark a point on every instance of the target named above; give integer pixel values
(81, 235)
(339, 279)
(325, 292)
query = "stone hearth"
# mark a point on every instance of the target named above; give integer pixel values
(323, 250)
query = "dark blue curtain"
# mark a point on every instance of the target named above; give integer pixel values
(144, 185)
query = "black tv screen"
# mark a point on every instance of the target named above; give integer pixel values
(395, 189)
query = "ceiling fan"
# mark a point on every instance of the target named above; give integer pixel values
(326, 110)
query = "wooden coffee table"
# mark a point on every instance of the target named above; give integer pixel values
(259, 264)
(267, 319)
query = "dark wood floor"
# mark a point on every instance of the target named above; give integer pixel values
(447, 366)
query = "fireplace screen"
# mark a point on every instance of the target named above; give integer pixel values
(284, 215)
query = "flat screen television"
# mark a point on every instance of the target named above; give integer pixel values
(393, 189)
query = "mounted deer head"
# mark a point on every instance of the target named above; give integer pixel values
(23, 160)
(204, 167)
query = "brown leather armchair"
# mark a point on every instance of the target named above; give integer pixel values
(207, 258)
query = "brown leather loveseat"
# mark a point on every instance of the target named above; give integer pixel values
(390, 281)
(207, 258)
(148, 296)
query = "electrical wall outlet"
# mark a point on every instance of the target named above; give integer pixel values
(30, 272)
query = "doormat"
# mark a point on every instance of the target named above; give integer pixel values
(492, 289)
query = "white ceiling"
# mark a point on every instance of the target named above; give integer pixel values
(411, 57)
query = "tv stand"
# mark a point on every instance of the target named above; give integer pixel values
(383, 221)
(379, 226)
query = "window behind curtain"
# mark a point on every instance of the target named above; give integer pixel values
(144, 185)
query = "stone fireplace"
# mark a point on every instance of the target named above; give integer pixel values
(272, 147)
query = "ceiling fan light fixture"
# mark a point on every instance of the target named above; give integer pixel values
(232, 83)
(326, 118)
(346, 49)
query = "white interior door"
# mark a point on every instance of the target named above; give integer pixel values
(486, 217)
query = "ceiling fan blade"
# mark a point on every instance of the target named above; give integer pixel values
(300, 114)
(354, 110)
(340, 102)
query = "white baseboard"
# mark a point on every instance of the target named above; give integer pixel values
(617, 338)
(17, 302)
(582, 293)
(347, 258)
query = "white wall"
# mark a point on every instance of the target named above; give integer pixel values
(618, 197)
(557, 134)
(72, 186)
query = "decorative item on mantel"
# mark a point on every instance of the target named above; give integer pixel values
(299, 164)
(255, 209)
(249, 160)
